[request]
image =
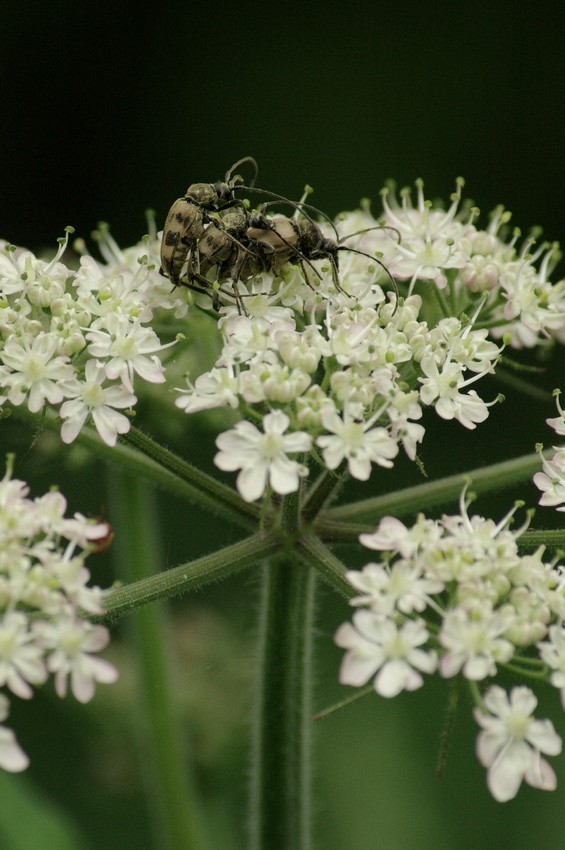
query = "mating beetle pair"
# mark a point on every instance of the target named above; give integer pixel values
(210, 227)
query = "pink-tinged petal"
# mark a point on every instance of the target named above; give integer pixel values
(12, 757)
(488, 745)
(356, 670)
(541, 775)
(543, 737)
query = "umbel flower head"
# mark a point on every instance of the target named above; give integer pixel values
(551, 481)
(76, 340)
(350, 361)
(44, 595)
(350, 356)
(454, 595)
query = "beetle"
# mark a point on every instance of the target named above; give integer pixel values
(188, 216)
(300, 240)
(227, 246)
(224, 246)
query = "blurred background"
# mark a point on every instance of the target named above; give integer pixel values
(110, 108)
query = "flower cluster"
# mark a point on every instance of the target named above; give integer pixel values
(351, 368)
(454, 595)
(44, 596)
(552, 480)
(75, 340)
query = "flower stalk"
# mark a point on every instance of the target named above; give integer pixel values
(175, 807)
(280, 788)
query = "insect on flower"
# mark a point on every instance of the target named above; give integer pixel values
(300, 240)
(187, 220)
(226, 246)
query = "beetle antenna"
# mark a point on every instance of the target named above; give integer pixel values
(298, 205)
(376, 260)
(375, 227)
(250, 159)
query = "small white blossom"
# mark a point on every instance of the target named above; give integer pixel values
(69, 643)
(393, 536)
(90, 398)
(443, 387)
(262, 457)
(512, 741)
(38, 373)
(474, 642)
(21, 660)
(401, 587)
(552, 653)
(127, 344)
(558, 422)
(552, 481)
(377, 646)
(431, 241)
(12, 757)
(43, 593)
(217, 388)
(357, 443)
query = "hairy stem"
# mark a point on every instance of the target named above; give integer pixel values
(280, 770)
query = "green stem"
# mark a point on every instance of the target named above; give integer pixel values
(343, 532)
(194, 574)
(552, 539)
(280, 770)
(290, 513)
(175, 812)
(315, 554)
(324, 489)
(141, 456)
(486, 479)
(205, 490)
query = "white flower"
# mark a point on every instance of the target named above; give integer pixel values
(558, 422)
(474, 642)
(262, 457)
(552, 652)
(69, 643)
(217, 388)
(126, 343)
(12, 757)
(431, 240)
(311, 405)
(42, 587)
(357, 442)
(301, 351)
(445, 386)
(91, 399)
(511, 743)
(38, 372)
(378, 646)
(21, 660)
(260, 297)
(21, 270)
(552, 481)
(393, 536)
(401, 587)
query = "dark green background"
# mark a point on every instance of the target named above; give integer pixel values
(109, 108)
